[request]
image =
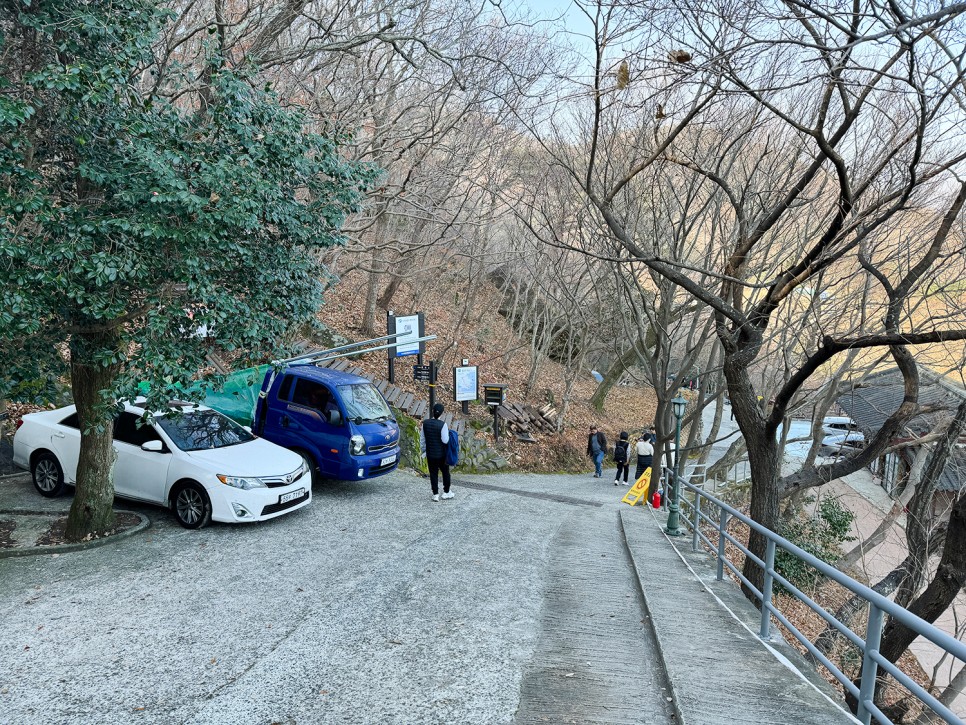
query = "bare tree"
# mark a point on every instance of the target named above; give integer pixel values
(831, 155)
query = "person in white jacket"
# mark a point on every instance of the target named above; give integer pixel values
(645, 455)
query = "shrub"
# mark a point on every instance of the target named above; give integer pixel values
(821, 534)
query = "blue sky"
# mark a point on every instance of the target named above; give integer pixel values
(551, 8)
(547, 8)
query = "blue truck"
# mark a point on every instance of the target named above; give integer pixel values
(338, 422)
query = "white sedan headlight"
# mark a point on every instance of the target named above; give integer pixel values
(357, 445)
(242, 482)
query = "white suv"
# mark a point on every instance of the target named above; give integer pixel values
(841, 431)
(191, 459)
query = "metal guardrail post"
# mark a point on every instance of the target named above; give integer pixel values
(696, 521)
(870, 668)
(880, 606)
(766, 588)
(722, 525)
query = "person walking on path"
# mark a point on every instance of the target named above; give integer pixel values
(434, 439)
(621, 454)
(596, 446)
(645, 456)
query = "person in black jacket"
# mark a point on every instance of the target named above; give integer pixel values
(621, 454)
(435, 438)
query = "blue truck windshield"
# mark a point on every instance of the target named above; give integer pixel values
(203, 429)
(363, 403)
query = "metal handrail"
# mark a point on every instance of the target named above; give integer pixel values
(879, 606)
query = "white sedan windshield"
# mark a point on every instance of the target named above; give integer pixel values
(203, 429)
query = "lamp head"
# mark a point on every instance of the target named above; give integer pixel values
(678, 406)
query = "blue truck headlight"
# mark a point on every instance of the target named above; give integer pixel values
(357, 445)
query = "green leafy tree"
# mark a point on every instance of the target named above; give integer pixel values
(136, 231)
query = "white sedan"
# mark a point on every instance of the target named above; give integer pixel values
(841, 432)
(196, 461)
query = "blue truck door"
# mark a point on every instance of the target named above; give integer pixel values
(314, 415)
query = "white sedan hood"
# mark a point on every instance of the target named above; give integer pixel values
(254, 458)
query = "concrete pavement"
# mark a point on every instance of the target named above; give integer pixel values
(516, 602)
(721, 672)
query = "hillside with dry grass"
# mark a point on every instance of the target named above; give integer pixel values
(485, 338)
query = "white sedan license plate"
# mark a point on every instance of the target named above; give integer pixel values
(387, 461)
(286, 497)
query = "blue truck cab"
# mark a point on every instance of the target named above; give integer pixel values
(339, 423)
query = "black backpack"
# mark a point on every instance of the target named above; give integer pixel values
(620, 452)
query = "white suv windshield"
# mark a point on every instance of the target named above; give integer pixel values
(363, 403)
(203, 429)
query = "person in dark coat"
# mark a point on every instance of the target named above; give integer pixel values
(621, 455)
(434, 439)
(596, 447)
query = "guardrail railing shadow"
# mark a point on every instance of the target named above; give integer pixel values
(879, 606)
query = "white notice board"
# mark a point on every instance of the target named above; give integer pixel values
(411, 322)
(465, 383)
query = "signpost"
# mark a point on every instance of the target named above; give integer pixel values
(466, 385)
(427, 374)
(494, 395)
(410, 329)
(421, 373)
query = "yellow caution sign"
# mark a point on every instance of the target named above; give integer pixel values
(639, 489)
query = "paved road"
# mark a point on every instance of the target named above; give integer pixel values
(728, 432)
(513, 602)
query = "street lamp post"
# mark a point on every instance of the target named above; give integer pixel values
(678, 406)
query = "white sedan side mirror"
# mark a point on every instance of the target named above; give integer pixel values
(152, 446)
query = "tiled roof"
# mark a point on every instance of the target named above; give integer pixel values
(877, 396)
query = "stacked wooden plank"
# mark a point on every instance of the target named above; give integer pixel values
(549, 414)
(523, 421)
(454, 423)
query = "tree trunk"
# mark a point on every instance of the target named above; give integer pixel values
(385, 299)
(613, 376)
(950, 576)
(885, 586)
(954, 689)
(765, 499)
(735, 453)
(372, 293)
(950, 579)
(855, 604)
(91, 512)
(919, 520)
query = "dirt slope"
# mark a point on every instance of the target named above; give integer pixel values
(484, 337)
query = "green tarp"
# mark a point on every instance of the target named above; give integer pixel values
(237, 397)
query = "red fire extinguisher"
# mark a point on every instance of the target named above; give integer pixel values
(656, 499)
